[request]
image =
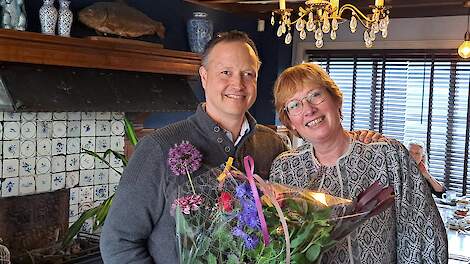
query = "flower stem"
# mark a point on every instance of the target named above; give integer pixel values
(190, 181)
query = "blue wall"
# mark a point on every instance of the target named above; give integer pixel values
(173, 14)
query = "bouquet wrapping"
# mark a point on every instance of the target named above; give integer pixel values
(227, 216)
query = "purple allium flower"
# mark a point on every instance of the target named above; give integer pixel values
(251, 241)
(184, 158)
(188, 203)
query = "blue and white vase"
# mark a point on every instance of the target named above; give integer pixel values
(65, 18)
(199, 31)
(48, 17)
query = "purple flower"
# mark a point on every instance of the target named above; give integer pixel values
(251, 241)
(184, 158)
(187, 203)
(243, 190)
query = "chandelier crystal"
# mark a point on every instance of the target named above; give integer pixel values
(323, 17)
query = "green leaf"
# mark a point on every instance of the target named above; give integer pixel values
(211, 259)
(75, 227)
(130, 131)
(232, 259)
(302, 236)
(313, 252)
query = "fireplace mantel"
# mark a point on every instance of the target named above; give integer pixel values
(36, 48)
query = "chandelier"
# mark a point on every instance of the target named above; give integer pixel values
(323, 17)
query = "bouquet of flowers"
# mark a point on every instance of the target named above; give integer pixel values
(226, 216)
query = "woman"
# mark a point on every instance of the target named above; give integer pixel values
(309, 103)
(417, 153)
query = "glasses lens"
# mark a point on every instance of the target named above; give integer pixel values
(315, 97)
(294, 107)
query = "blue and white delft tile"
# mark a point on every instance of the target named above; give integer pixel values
(44, 129)
(27, 185)
(103, 115)
(114, 176)
(11, 130)
(27, 166)
(117, 128)
(58, 164)
(102, 144)
(27, 149)
(43, 183)
(11, 149)
(115, 162)
(112, 188)
(58, 181)
(73, 162)
(101, 176)
(103, 128)
(59, 129)
(10, 187)
(1, 116)
(88, 115)
(28, 116)
(87, 226)
(97, 203)
(73, 145)
(72, 179)
(10, 168)
(44, 147)
(87, 177)
(118, 115)
(43, 165)
(59, 115)
(117, 143)
(85, 195)
(59, 146)
(87, 143)
(83, 206)
(11, 116)
(74, 116)
(73, 213)
(1, 131)
(100, 164)
(74, 195)
(101, 192)
(44, 116)
(87, 128)
(28, 130)
(73, 129)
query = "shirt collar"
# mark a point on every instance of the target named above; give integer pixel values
(244, 130)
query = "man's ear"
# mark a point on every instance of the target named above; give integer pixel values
(203, 75)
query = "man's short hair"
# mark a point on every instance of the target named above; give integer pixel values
(230, 36)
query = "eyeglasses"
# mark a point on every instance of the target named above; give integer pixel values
(314, 97)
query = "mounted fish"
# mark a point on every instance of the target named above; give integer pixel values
(119, 19)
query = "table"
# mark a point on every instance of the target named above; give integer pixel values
(459, 242)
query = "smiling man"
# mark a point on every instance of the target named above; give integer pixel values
(139, 227)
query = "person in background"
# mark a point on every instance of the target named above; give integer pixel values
(418, 154)
(309, 103)
(139, 227)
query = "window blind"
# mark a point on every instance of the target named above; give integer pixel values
(410, 97)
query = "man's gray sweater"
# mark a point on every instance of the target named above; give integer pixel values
(139, 227)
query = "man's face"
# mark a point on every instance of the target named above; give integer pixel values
(229, 80)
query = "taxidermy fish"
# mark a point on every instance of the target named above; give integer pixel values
(119, 19)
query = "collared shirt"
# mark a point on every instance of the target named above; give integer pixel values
(244, 130)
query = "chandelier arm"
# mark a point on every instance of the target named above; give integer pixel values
(357, 11)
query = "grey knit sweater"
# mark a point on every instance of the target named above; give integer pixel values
(139, 227)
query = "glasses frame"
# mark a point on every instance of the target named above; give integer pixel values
(301, 100)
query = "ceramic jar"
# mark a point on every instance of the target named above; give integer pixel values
(65, 18)
(48, 17)
(199, 31)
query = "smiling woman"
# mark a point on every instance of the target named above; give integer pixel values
(309, 102)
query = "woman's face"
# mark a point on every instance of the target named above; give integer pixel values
(318, 119)
(416, 151)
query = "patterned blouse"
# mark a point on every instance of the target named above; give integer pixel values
(412, 231)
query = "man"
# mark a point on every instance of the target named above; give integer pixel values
(139, 227)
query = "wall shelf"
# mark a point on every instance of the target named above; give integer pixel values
(122, 54)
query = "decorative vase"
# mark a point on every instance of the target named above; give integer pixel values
(65, 18)
(48, 17)
(199, 31)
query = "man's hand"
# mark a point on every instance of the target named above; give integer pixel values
(367, 136)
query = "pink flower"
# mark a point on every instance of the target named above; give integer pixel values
(188, 203)
(184, 158)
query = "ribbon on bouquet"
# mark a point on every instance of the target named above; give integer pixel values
(249, 168)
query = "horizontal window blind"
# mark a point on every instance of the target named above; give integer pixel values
(410, 97)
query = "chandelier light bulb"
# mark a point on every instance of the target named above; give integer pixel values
(333, 34)
(310, 25)
(353, 24)
(372, 35)
(464, 48)
(279, 31)
(366, 36)
(384, 33)
(326, 25)
(288, 38)
(319, 43)
(318, 34)
(375, 27)
(272, 19)
(334, 24)
(303, 34)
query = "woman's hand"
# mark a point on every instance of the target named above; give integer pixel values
(367, 136)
